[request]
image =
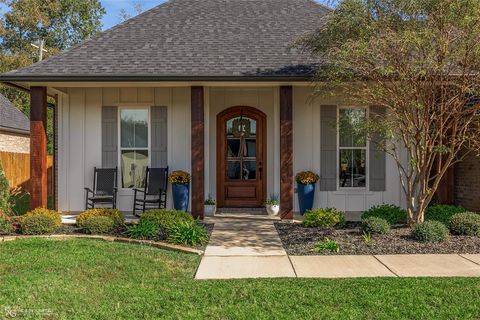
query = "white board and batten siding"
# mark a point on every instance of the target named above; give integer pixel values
(308, 156)
(80, 136)
(80, 140)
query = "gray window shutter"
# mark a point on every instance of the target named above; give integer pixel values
(159, 137)
(377, 165)
(109, 137)
(328, 148)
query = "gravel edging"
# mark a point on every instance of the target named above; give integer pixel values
(155, 244)
(298, 240)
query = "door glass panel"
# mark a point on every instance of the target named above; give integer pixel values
(233, 145)
(233, 170)
(249, 170)
(241, 148)
(250, 148)
(241, 126)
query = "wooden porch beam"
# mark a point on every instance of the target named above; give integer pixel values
(198, 152)
(286, 152)
(38, 147)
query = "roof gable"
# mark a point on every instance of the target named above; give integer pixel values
(189, 39)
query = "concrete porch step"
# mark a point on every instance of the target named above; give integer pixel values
(252, 211)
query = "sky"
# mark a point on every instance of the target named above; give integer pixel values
(114, 7)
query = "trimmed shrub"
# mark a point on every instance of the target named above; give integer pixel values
(4, 191)
(37, 224)
(323, 217)
(113, 214)
(144, 230)
(375, 225)
(465, 223)
(40, 221)
(188, 233)
(6, 226)
(430, 231)
(393, 214)
(442, 212)
(54, 215)
(164, 218)
(98, 225)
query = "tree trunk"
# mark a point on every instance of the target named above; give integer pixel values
(415, 210)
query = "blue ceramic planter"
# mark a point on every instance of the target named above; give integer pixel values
(306, 193)
(180, 194)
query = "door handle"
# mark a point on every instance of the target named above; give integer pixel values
(260, 169)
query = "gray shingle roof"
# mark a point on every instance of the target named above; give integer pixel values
(12, 119)
(193, 39)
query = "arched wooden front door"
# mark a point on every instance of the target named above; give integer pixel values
(241, 157)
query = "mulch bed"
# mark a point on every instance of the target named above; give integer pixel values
(298, 240)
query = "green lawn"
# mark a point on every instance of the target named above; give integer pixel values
(90, 279)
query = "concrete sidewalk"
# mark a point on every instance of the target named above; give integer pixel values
(249, 247)
(401, 265)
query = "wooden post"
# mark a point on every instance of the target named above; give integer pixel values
(38, 147)
(286, 152)
(54, 176)
(198, 152)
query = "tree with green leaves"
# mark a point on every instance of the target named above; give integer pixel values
(60, 23)
(420, 60)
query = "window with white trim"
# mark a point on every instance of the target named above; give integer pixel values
(134, 146)
(352, 147)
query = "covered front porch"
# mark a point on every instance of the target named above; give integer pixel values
(241, 142)
(190, 140)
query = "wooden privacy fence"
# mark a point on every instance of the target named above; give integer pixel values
(17, 169)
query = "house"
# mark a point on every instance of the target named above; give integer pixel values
(14, 128)
(213, 87)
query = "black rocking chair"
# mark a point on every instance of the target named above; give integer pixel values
(154, 192)
(104, 189)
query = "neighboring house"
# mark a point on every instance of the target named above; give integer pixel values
(213, 87)
(466, 182)
(14, 128)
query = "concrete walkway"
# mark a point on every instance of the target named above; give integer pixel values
(249, 247)
(244, 247)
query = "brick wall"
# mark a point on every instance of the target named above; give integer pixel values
(467, 183)
(15, 143)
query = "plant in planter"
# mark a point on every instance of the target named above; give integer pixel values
(306, 181)
(272, 205)
(180, 181)
(210, 207)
